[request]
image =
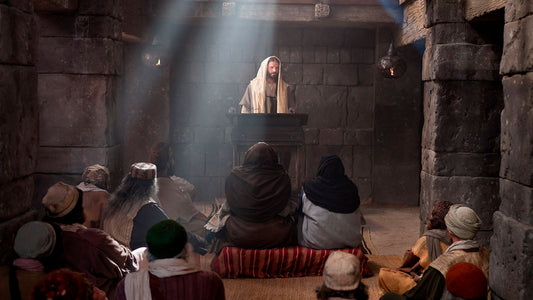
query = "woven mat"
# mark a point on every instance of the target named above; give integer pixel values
(295, 288)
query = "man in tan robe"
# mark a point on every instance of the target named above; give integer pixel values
(267, 92)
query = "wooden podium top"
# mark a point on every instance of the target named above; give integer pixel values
(267, 120)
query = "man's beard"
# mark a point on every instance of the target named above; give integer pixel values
(273, 76)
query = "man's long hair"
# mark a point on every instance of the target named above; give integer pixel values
(129, 193)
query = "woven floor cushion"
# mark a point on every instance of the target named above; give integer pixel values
(284, 262)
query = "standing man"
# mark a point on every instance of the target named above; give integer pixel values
(267, 92)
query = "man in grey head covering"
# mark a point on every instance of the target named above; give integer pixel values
(462, 224)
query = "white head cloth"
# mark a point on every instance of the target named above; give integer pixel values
(462, 221)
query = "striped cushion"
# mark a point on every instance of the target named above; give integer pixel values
(285, 262)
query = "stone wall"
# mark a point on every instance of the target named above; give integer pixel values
(79, 64)
(333, 74)
(462, 104)
(19, 120)
(511, 260)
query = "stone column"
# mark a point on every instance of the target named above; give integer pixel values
(19, 120)
(511, 260)
(79, 65)
(462, 105)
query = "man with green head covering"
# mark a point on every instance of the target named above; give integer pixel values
(169, 274)
(462, 224)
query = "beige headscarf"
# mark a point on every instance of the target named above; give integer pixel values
(258, 87)
(462, 221)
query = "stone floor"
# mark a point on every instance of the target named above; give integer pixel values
(393, 229)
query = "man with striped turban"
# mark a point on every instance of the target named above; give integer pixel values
(462, 224)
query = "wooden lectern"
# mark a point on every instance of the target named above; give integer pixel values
(283, 132)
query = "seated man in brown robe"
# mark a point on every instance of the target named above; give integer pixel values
(258, 195)
(416, 260)
(169, 274)
(88, 250)
(462, 224)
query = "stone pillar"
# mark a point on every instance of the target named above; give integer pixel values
(19, 120)
(511, 260)
(79, 65)
(462, 105)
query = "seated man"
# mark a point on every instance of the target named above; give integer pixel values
(465, 281)
(258, 195)
(133, 207)
(415, 261)
(462, 224)
(169, 275)
(87, 250)
(330, 216)
(342, 278)
(35, 245)
(95, 188)
(176, 203)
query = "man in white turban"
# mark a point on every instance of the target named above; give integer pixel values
(462, 224)
(267, 92)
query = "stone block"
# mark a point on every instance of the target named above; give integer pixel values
(517, 129)
(50, 25)
(196, 72)
(364, 187)
(362, 55)
(98, 27)
(308, 55)
(295, 55)
(517, 201)
(334, 55)
(360, 113)
(450, 33)
(460, 164)
(209, 135)
(360, 38)
(16, 197)
(182, 135)
(8, 231)
(218, 160)
(331, 136)
(75, 160)
(345, 75)
(443, 11)
(87, 108)
(312, 74)
(517, 46)
(315, 153)
(325, 106)
(358, 137)
(289, 36)
(224, 72)
(23, 5)
(322, 37)
(511, 258)
(208, 188)
(56, 6)
(79, 56)
(461, 62)
(345, 55)
(362, 162)
(321, 55)
(111, 8)
(311, 136)
(365, 75)
(462, 116)
(517, 9)
(17, 37)
(292, 73)
(19, 129)
(395, 184)
(284, 54)
(479, 193)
